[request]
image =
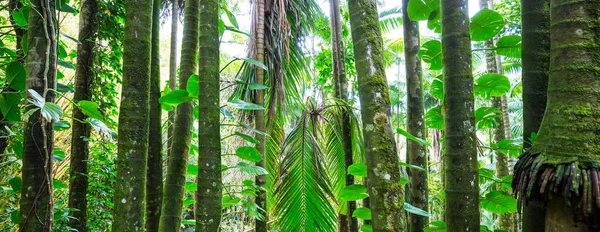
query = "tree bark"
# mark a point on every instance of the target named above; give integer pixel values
(209, 194)
(36, 204)
(174, 190)
(259, 115)
(80, 130)
(386, 194)
(460, 156)
(173, 70)
(154, 184)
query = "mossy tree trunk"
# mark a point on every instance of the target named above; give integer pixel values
(259, 115)
(154, 182)
(174, 190)
(386, 194)
(536, 60)
(80, 130)
(130, 189)
(36, 204)
(209, 194)
(346, 222)
(173, 69)
(460, 155)
(566, 150)
(416, 152)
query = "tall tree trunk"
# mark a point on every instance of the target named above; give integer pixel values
(36, 205)
(536, 60)
(172, 209)
(416, 153)
(130, 189)
(460, 156)
(155, 171)
(208, 200)
(173, 69)
(80, 130)
(259, 115)
(347, 222)
(386, 195)
(566, 145)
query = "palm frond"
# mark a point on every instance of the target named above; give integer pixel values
(390, 19)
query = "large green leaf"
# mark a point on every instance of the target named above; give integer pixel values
(431, 52)
(176, 97)
(9, 105)
(362, 213)
(414, 210)
(492, 85)
(434, 21)
(499, 202)
(437, 88)
(366, 228)
(228, 201)
(254, 62)
(354, 192)
(421, 9)
(101, 127)
(90, 109)
(485, 117)
(15, 75)
(357, 170)
(411, 137)
(246, 137)
(21, 17)
(192, 85)
(251, 169)
(239, 104)
(248, 153)
(486, 24)
(434, 118)
(412, 166)
(509, 46)
(16, 183)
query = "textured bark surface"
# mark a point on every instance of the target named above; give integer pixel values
(130, 189)
(36, 207)
(84, 75)
(174, 190)
(154, 181)
(460, 156)
(173, 69)
(209, 194)
(416, 153)
(259, 115)
(386, 194)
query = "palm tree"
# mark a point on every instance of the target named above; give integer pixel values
(209, 194)
(561, 166)
(173, 68)
(386, 195)
(460, 156)
(81, 130)
(36, 204)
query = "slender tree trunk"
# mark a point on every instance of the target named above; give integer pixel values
(36, 204)
(460, 155)
(416, 153)
(80, 130)
(130, 189)
(386, 195)
(174, 190)
(154, 185)
(536, 60)
(208, 200)
(566, 150)
(259, 115)
(347, 222)
(173, 70)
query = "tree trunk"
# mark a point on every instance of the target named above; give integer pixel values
(416, 153)
(174, 190)
(208, 200)
(386, 194)
(80, 130)
(155, 171)
(347, 222)
(460, 157)
(173, 70)
(259, 115)
(36, 204)
(130, 189)
(566, 145)
(536, 60)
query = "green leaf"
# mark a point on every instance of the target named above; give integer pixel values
(71, 38)
(9, 105)
(189, 201)
(21, 17)
(421, 9)
(15, 75)
(174, 98)
(499, 202)
(192, 85)
(62, 88)
(437, 226)
(412, 166)
(354, 192)
(248, 153)
(15, 217)
(486, 24)
(90, 109)
(437, 88)
(434, 118)
(485, 117)
(232, 29)
(508, 146)
(246, 137)
(434, 21)
(254, 62)
(62, 125)
(254, 86)
(66, 64)
(362, 213)
(414, 210)
(251, 169)
(491, 85)
(16, 183)
(509, 46)
(239, 104)
(226, 113)
(412, 137)
(58, 184)
(366, 228)
(357, 170)
(231, 17)
(486, 175)
(67, 9)
(59, 155)
(192, 169)
(189, 222)
(52, 112)
(101, 127)
(431, 52)
(228, 201)
(191, 186)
